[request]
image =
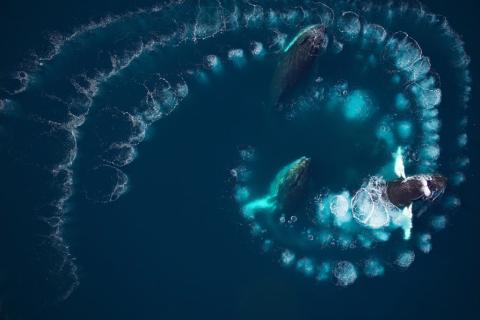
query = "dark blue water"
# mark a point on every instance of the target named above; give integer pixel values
(174, 246)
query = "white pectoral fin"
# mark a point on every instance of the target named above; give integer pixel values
(399, 166)
(265, 204)
(410, 210)
(407, 221)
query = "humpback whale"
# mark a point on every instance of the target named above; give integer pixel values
(290, 183)
(286, 190)
(298, 58)
(403, 192)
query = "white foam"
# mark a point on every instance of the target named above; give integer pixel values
(339, 206)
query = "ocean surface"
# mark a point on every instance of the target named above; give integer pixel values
(171, 242)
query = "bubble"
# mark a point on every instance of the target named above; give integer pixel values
(339, 206)
(324, 271)
(426, 98)
(272, 18)
(430, 152)
(430, 83)
(425, 242)
(358, 106)
(379, 217)
(213, 63)
(374, 268)
(46, 146)
(362, 206)
(279, 41)
(162, 99)
(322, 12)
(348, 26)
(401, 102)
(464, 122)
(381, 235)
(267, 245)
(405, 259)
(420, 69)
(345, 242)
(462, 162)
(396, 79)
(242, 173)
(182, 90)
(429, 113)
(372, 60)
(438, 222)
(257, 49)
(208, 23)
(384, 133)
(457, 178)
(287, 258)
(256, 229)
(306, 266)
(462, 140)
(431, 125)
(345, 273)
(120, 154)
(254, 17)
(325, 238)
(452, 202)
(336, 46)
(405, 129)
(365, 240)
(201, 76)
(242, 194)
(247, 154)
(293, 17)
(106, 184)
(237, 56)
(373, 34)
(401, 51)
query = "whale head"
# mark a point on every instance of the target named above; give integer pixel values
(309, 41)
(290, 183)
(403, 192)
(437, 185)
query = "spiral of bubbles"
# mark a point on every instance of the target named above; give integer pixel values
(407, 103)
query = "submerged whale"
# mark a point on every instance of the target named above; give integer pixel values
(286, 190)
(298, 58)
(289, 185)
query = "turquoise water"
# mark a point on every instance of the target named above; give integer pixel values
(132, 213)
